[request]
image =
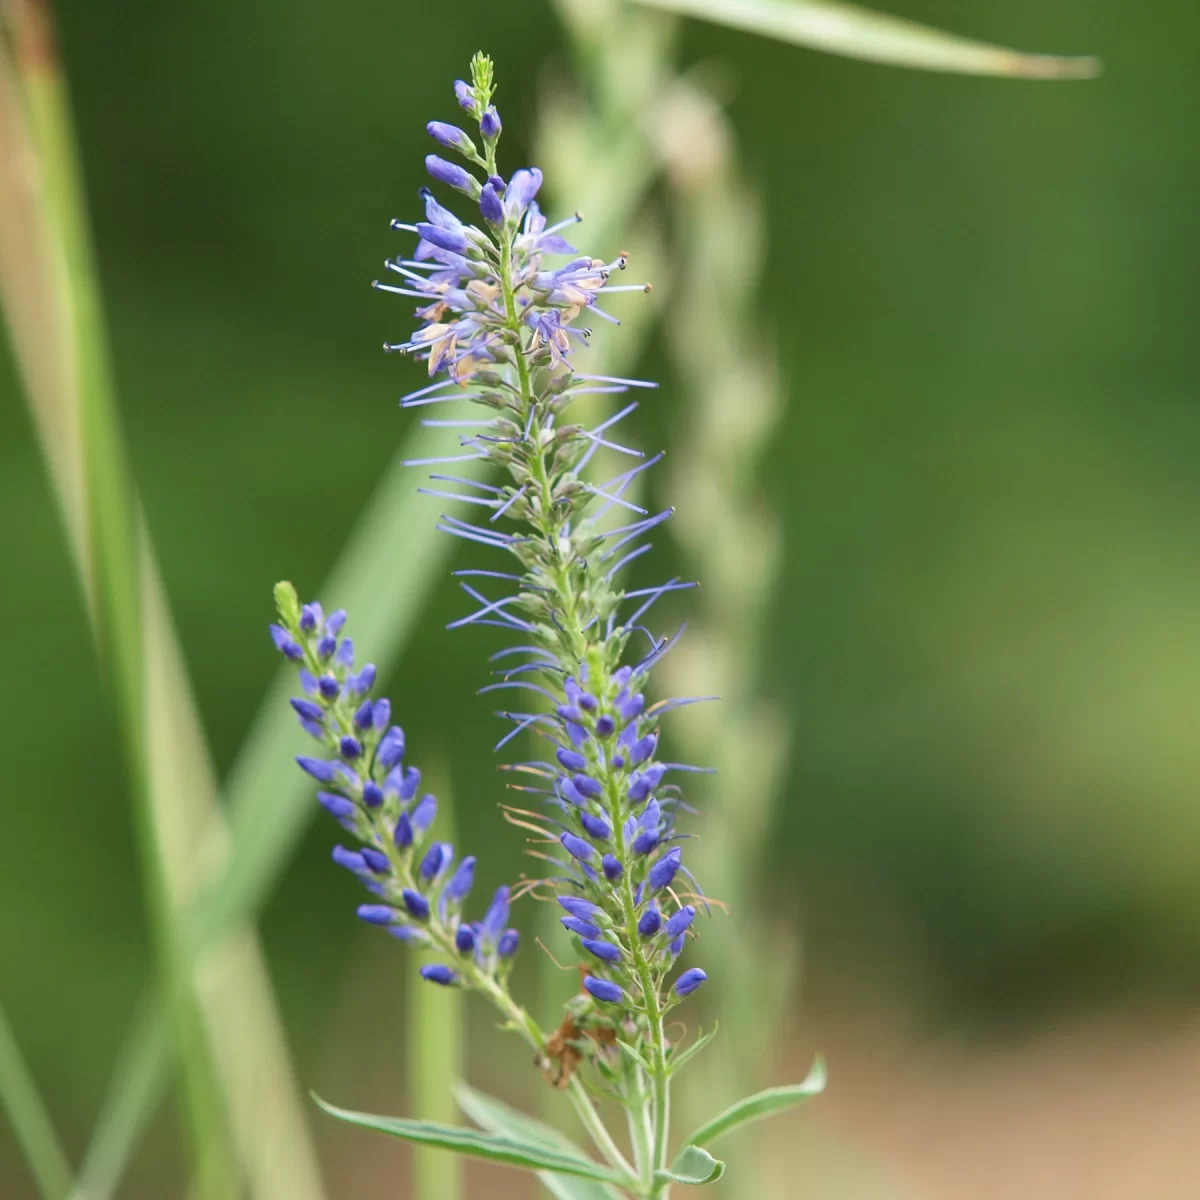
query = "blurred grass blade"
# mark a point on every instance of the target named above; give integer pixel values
(433, 1041)
(492, 1147)
(137, 1086)
(859, 33)
(762, 1104)
(30, 1121)
(52, 301)
(497, 1117)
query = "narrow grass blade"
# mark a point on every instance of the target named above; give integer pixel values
(859, 33)
(760, 1105)
(30, 1121)
(433, 1044)
(491, 1147)
(497, 1117)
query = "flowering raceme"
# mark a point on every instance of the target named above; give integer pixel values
(502, 299)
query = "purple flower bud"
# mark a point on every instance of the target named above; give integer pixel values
(587, 702)
(326, 646)
(577, 734)
(382, 713)
(409, 934)
(345, 653)
(588, 786)
(489, 123)
(329, 687)
(424, 813)
(322, 772)
(372, 794)
(376, 914)
(680, 921)
(631, 707)
(363, 715)
(445, 239)
(506, 947)
(464, 939)
(577, 906)
(310, 617)
(364, 681)
(308, 711)
(349, 859)
(335, 805)
(689, 981)
(286, 644)
(644, 843)
(602, 989)
(403, 837)
(466, 95)
(391, 748)
(569, 712)
(462, 881)
(596, 827)
(612, 868)
(605, 951)
(496, 917)
(522, 188)
(438, 973)
(584, 928)
(308, 682)
(605, 725)
(576, 847)
(663, 871)
(491, 205)
(497, 181)
(643, 749)
(437, 858)
(350, 747)
(571, 792)
(416, 904)
(640, 786)
(570, 760)
(377, 861)
(677, 946)
(336, 622)
(453, 176)
(448, 135)
(409, 783)
(650, 922)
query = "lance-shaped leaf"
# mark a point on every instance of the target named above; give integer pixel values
(497, 1117)
(679, 1059)
(762, 1104)
(859, 33)
(694, 1166)
(511, 1151)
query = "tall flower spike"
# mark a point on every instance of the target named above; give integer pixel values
(372, 795)
(504, 300)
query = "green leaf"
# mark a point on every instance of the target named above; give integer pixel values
(636, 1056)
(678, 1061)
(694, 1166)
(859, 33)
(497, 1117)
(511, 1151)
(762, 1104)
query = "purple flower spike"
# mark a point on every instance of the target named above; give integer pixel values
(603, 990)
(689, 981)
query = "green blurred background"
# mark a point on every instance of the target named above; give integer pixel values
(987, 639)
